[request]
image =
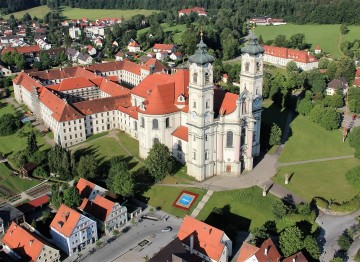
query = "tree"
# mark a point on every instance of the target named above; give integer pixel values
(40, 172)
(353, 177)
(297, 41)
(87, 166)
(291, 66)
(159, 161)
(279, 209)
(326, 117)
(32, 146)
(291, 240)
(345, 241)
(354, 137)
(9, 124)
(230, 46)
(56, 195)
(275, 135)
(304, 107)
(323, 63)
(312, 247)
(316, 81)
(280, 40)
(345, 67)
(120, 180)
(259, 235)
(72, 197)
(344, 29)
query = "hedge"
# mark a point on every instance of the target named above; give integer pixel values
(347, 206)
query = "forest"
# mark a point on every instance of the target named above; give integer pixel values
(300, 12)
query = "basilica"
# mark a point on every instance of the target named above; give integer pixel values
(212, 131)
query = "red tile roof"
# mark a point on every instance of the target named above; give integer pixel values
(357, 82)
(268, 251)
(26, 207)
(72, 83)
(65, 220)
(246, 251)
(27, 82)
(357, 74)
(63, 73)
(296, 55)
(131, 111)
(224, 102)
(298, 257)
(85, 187)
(199, 10)
(207, 239)
(100, 207)
(112, 88)
(146, 86)
(23, 242)
(133, 44)
(22, 49)
(182, 133)
(100, 105)
(167, 47)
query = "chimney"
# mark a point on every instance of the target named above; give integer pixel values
(265, 251)
(210, 231)
(294, 258)
(67, 215)
(191, 243)
(60, 224)
(31, 242)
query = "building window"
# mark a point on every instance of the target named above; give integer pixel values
(156, 140)
(247, 66)
(179, 145)
(195, 77)
(206, 138)
(229, 139)
(194, 104)
(194, 154)
(207, 78)
(206, 155)
(207, 104)
(142, 122)
(167, 122)
(135, 125)
(155, 124)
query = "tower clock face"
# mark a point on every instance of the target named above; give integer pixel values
(257, 102)
(193, 115)
(207, 116)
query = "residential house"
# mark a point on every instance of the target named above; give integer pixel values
(265, 20)
(72, 54)
(10, 214)
(4, 71)
(72, 231)
(169, 48)
(173, 252)
(89, 190)
(119, 56)
(43, 45)
(317, 49)
(266, 252)
(199, 10)
(98, 42)
(176, 56)
(133, 46)
(91, 50)
(204, 241)
(74, 32)
(109, 215)
(337, 85)
(22, 244)
(7, 39)
(84, 59)
(280, 56)
(27, 51)
(298, 257)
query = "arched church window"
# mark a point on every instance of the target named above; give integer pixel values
(247, 66)
(244, 110)
(167, 122)
(229, 139)
(194, 154)
(179, 144)
(258, 65)
(242, 138)
(195, 77)
(207, 77)
(155, 124)
(142, 122)
(206, 155)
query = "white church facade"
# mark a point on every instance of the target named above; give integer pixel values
(212, 131)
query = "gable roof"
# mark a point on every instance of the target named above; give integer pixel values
(133, 44)
(167, 253)
(85, 187)
(296, 55)
(207, 239)
(167, 47)
(9, 213)
(338, 83)
(27, 82)
(111, 88)
(72, 84)
(65, 220)
(100, 105)
(268, 251)
(181, 132)
(22, 49)
(100, 207)
(63, 73)
(298, 257)
(22, 242)
(246, 251)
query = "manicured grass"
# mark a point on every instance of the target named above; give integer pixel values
(131, 144)
(93, 14)
(322, 179)
(168, 28)
(327, 36)
(76, 13)
(6, 108)
(272, 113)
(164, 197)
(310, 141)
(247, 204)
(14, 183)
(106, 148)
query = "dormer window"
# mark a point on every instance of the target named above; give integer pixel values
(181, 98)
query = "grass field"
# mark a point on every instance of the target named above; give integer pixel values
(167, 28)
(76, 13)
(131, 144)
(163, 197)
(14, 183)
(246, 204)
(310, 141)
(324, 179)
(327, 36)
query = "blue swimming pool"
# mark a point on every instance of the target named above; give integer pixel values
(186, 200)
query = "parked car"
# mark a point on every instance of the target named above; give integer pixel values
(166, 229)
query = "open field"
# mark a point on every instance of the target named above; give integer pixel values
(310, 141)
(163, 197)
(131, 144)
(76, 13)
(167, 28)
(14, 183)
(327, 36)
(324, 179)
(248, 205)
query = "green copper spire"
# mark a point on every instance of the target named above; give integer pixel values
(253, 47)
(201, 56)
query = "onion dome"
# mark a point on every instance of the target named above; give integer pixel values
(253, 47)
(201, 56)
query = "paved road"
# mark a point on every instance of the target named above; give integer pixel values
(314, 160)
(126, 248)
(332, 228)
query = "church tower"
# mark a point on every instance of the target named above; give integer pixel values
(251, 82)
(200, 119)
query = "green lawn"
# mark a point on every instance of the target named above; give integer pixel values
(167, 28)
(164, 197)
(76, 13)
(106, 148)
(327, 36)
(131, 144)
(247, 204)
(324, 179)
(14, 183)
(310, 141)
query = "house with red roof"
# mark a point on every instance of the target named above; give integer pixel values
(109, 215)
(357, 77)
(265, 20)
(25, 245)
(317, 49)
(266, 252)
(204, 241)
(199, 10)
(163, 50)
(72, 231)
(89, 190)
(210, 130)
(133, 46)
(280, 56)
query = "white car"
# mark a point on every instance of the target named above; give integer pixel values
(166, 229)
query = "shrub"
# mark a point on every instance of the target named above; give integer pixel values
(8, 124)
(280, 209)
(345, 241)
(353, 177)
(357, 256)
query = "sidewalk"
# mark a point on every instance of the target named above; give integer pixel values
(202, 203)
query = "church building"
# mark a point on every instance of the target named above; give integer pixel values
(212, 131)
